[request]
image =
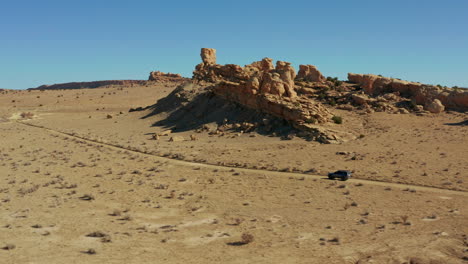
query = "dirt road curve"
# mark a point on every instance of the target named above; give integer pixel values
(257, 171)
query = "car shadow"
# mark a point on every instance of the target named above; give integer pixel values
(462, 123)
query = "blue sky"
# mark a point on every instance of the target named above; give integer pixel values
(46, 42)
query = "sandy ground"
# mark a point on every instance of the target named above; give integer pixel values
(78, 187)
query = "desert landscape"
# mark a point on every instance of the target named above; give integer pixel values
(231, 166)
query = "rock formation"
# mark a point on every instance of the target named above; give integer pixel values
(435, 106)
(269, 89)
(421, 94)
(208, 56)
(310, 73)
(157, 75)
(258, 77)
(260, 85)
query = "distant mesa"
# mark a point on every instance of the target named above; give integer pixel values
(154, 76)
(87, 85)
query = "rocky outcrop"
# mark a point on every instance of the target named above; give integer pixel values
(88, 85)
(157, 75)
(261, 86)
(435, 106)
(269, 89)
(421, 94)
(305, 115)
(299, 111)
(310, 73)
(257, 78)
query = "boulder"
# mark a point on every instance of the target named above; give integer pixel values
(390, 97)
(176, 139)
(418, 108)
(435, 106)
(310, 73)
(360, 99)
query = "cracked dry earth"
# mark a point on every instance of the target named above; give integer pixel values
(66, 199)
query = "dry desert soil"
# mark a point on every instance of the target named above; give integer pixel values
(83, 181)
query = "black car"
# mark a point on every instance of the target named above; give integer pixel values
(344, 175)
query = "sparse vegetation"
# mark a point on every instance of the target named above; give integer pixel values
(246, 238)
(90, 251)
(337, 119)
(27, 115)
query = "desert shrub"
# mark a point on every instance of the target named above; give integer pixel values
(27, 115)
(335, 81)
(322, 96)
(311, 121)
(247, 238)
(337, 119)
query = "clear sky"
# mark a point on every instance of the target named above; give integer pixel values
(51, 41)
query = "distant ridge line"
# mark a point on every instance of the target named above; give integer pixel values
(89, 85)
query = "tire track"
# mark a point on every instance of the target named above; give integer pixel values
(248, 170)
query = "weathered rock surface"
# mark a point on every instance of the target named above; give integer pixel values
(310, 73)
(296, 111)
(259, 77)
(435, 106)
(157, 75)
(208, 55)
(271, 90)
(360, 99)
(421, 94)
